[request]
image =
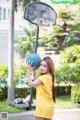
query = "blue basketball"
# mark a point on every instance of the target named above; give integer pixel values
(34, 60)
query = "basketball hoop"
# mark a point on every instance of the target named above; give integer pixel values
(40, 14)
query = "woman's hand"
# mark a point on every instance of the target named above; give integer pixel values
(29, 68)
(29, 78)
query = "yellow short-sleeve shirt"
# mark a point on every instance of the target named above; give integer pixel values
(44, 100)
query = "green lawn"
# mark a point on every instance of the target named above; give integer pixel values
(4, 107)
(61, 102)
(65, 102)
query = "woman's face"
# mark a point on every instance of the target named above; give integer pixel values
(43, 67)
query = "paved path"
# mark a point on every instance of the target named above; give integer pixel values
(60, 114)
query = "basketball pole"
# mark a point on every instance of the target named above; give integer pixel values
(37, 34)
(35, 51)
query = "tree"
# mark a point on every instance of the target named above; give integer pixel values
(22, 3)
(67, 19)
(13, 5)
(68, 22)
(26, 45)
(11, 55)
(66, 1)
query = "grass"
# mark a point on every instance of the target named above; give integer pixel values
(4, 107)
(61, 102)
(65, 102)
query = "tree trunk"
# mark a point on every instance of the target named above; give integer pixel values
(11, 55)
(60, 40)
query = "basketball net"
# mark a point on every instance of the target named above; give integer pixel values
(45, 26)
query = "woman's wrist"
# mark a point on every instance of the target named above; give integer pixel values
(28, 71)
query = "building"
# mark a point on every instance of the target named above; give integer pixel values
(4, 28)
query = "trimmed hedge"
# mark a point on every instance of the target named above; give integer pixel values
(3, 93)
(63, 90)
(23, 92)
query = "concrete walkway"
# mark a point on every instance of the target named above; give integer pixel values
(60, 114)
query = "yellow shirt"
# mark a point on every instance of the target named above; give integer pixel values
(44, 100)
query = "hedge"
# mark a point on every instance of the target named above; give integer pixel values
(23, 92)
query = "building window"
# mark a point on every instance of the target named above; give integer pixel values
(0, 13)
(4, 14)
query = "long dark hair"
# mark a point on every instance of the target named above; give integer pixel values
(50, 66)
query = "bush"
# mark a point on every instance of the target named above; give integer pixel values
(19, 72)
(71, 54)
(3, 73)
(23, 92)
(75, 94)
(68, 73)
(63, 90)
(3, 93)
(69, 69)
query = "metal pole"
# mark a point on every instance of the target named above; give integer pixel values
(31, 89)
(37, 34)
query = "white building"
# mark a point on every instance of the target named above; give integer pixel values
(4, 27)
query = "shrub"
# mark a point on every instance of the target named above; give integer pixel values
(69, 69)
(3, 72)
(3, 93)
(63, 90)
(19, 72)
(23, 92)
(68, 73)
(71, 54)
(75, 94)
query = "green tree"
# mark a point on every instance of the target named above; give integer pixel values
(66, 1)
(67, 24)
(22, 3)
(67, 19)
(26, 45)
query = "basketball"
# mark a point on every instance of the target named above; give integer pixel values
(34, 60)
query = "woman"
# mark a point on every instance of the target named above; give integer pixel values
(45, 94)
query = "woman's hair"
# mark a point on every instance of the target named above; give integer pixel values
(50, 66)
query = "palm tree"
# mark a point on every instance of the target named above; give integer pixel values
(26, 45)
(13, 5)
(11, 55)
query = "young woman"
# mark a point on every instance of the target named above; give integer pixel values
(45, 89)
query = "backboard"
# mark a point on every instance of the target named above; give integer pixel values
(40, 13)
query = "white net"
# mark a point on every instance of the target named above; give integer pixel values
(45, 30)
(42, 22)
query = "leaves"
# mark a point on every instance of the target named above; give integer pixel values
(23, 3)
(69, 69)
(71, 54)
(3, 72)
(26, 45)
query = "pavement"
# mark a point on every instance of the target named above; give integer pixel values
(59, 114)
